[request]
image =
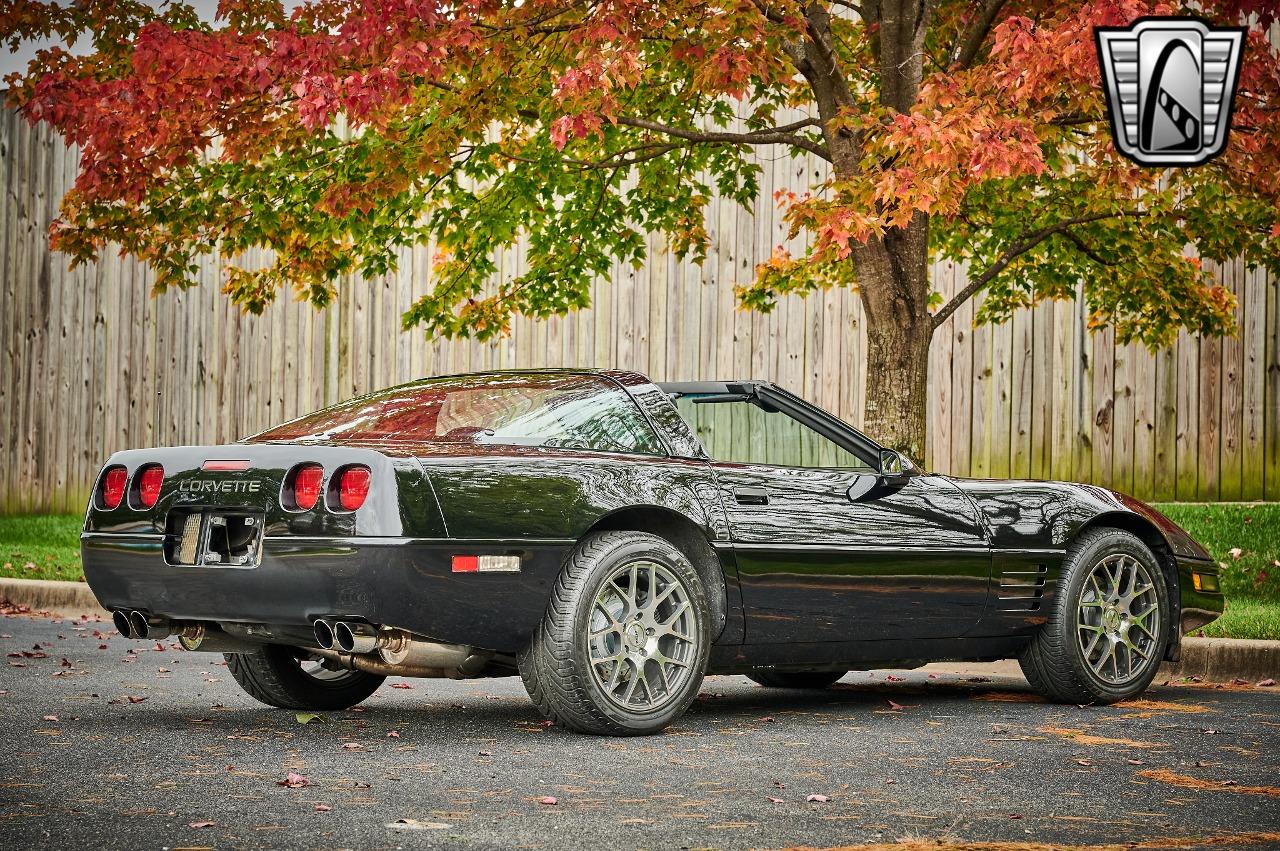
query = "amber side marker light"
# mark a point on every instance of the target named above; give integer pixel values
(1204, 581)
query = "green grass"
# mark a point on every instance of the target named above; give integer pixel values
(41, 547)
(1244, 538)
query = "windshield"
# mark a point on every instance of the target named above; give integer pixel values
(554, 410)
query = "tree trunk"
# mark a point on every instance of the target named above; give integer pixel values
(894, 284)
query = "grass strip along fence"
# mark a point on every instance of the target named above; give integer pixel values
(1243, 537)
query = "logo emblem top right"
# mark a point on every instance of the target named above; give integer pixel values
(1170, 83)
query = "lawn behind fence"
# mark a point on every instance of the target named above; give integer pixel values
(1243, 537)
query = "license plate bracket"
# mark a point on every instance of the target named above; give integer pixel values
(213, 538)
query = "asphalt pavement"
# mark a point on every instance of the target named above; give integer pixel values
(122, 744)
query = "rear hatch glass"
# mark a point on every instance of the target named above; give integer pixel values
(529, 409)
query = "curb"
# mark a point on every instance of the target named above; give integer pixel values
(68, 599)
(1210, 659)
(1226, 659)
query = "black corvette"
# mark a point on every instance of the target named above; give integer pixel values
(611, 541)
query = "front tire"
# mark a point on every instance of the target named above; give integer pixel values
(283, 677)
(813, 680)
(623, 646)
(1108, 624)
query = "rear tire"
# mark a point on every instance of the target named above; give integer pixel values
(623, 646)
(1109, 623)
(813, 680)
(275, 676)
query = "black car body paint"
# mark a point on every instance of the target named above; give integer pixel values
(835, 567)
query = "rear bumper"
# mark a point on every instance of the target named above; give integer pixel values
(401, 582)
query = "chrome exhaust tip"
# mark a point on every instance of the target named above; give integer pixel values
(355, 637)
(324, 633)
(121, 620)
(142, 626)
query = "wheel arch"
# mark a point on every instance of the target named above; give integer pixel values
(1150, 534)
(688, 537)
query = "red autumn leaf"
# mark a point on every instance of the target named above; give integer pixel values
(323, 808)
(401, 685)
(1267, 683)
(293, 780)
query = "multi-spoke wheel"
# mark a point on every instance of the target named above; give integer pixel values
(1114, 618)
(1108, 622)
(624, 643)
(290, 678)
(642, 640)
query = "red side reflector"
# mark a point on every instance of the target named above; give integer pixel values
(466, 564)
(306, 486)
(224, 465)
(113, 482)
(353, 487)
(150, 478)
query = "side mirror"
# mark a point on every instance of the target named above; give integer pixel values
(894, 466)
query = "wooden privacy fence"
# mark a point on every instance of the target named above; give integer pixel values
(92, 364)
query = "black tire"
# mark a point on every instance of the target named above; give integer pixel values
(274, 676)
(796, 679)
(556, 667)
(1055, 662)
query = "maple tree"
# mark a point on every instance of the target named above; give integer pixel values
(338, 132)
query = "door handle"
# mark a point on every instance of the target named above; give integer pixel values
(751, 496)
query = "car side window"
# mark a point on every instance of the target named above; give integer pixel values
(744, 433)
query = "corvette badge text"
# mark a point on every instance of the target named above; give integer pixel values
(210, 486)
(1170, 83)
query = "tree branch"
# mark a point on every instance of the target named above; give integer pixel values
(1019, 247)
(784, 134)
(977, 32)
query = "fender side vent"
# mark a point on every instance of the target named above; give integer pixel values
(1021, 590)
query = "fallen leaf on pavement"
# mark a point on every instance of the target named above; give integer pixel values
(134, 698)
(323, 808)
(401, 685)
(308, 717)
(200, 824)
(774, 800)
(294, 780)
(1267, 683)
(415, 824)
(817, 799)
(549, 801)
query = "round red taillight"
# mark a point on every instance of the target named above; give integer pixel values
(111, 492)
(149, 480)
(353, 487)
(307, 479)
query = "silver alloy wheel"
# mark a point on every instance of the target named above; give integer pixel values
(643, 636)
(1118, 619)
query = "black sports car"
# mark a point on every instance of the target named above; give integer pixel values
(611, 541)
